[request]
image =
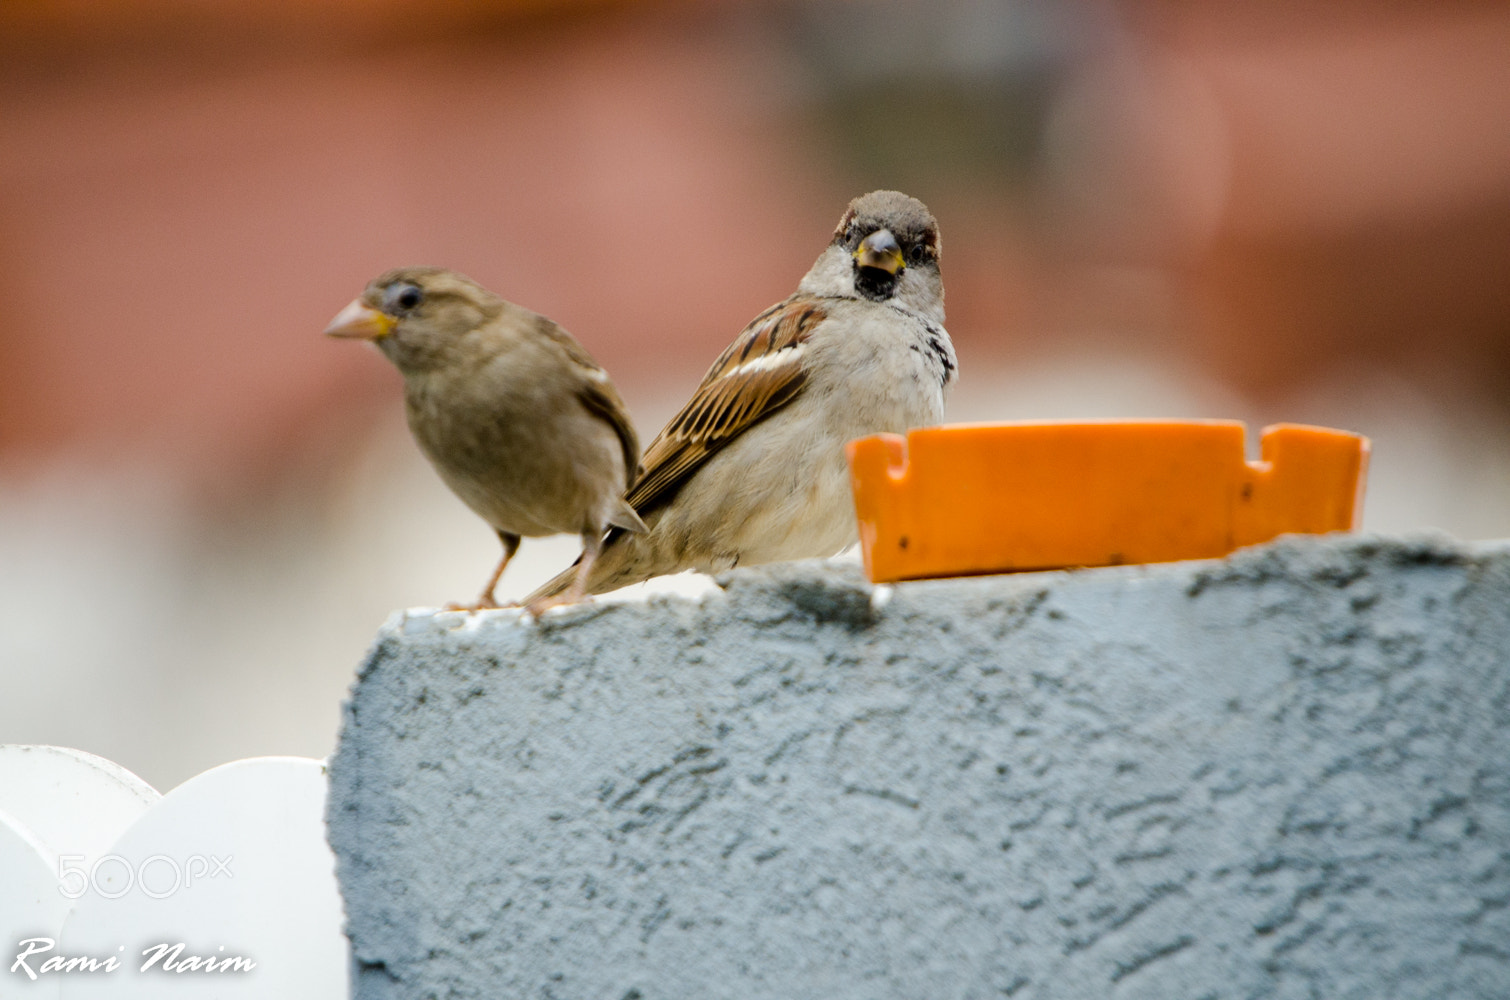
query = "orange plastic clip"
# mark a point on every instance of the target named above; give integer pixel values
(991, 498)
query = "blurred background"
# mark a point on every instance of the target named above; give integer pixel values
(1240, 208)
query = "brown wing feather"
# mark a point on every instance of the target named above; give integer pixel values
(603, 400)
(600, 397)
(729, 401)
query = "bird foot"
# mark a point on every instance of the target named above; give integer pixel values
(484, 604)
(546, 603)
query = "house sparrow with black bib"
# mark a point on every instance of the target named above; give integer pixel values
(752, 469)
(517, 418)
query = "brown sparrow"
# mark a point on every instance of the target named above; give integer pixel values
(519, 421)
(752, 469)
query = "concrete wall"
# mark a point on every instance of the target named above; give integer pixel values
(1285, 774)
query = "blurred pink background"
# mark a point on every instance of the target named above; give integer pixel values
(1259, 210)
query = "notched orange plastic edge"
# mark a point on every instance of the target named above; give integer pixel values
(990, 498)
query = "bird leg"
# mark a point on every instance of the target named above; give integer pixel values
(592, 544)
(485, 602)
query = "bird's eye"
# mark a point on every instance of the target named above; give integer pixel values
(917, 254)
(402, 298)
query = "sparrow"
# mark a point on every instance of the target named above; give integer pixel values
(752, 469)
(518, 420)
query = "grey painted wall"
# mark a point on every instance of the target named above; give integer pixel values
(1285, 774)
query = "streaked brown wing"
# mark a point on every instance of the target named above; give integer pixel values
(756, 375)
(598, 394)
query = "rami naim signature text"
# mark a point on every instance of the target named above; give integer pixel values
(157, 958)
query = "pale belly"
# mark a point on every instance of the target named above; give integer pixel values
(533, 474)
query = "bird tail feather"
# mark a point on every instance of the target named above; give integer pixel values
(555, 586)
(612, 569)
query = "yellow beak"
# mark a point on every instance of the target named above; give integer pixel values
(360, 321)
(880, 250)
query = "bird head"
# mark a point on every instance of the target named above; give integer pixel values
(417, 316)
(885, 249)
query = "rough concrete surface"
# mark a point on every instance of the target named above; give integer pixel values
(1285, 774)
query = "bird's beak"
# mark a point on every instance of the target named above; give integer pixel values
(358, 320)
(880, 250)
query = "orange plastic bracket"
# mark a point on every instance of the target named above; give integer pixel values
(991, 498)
